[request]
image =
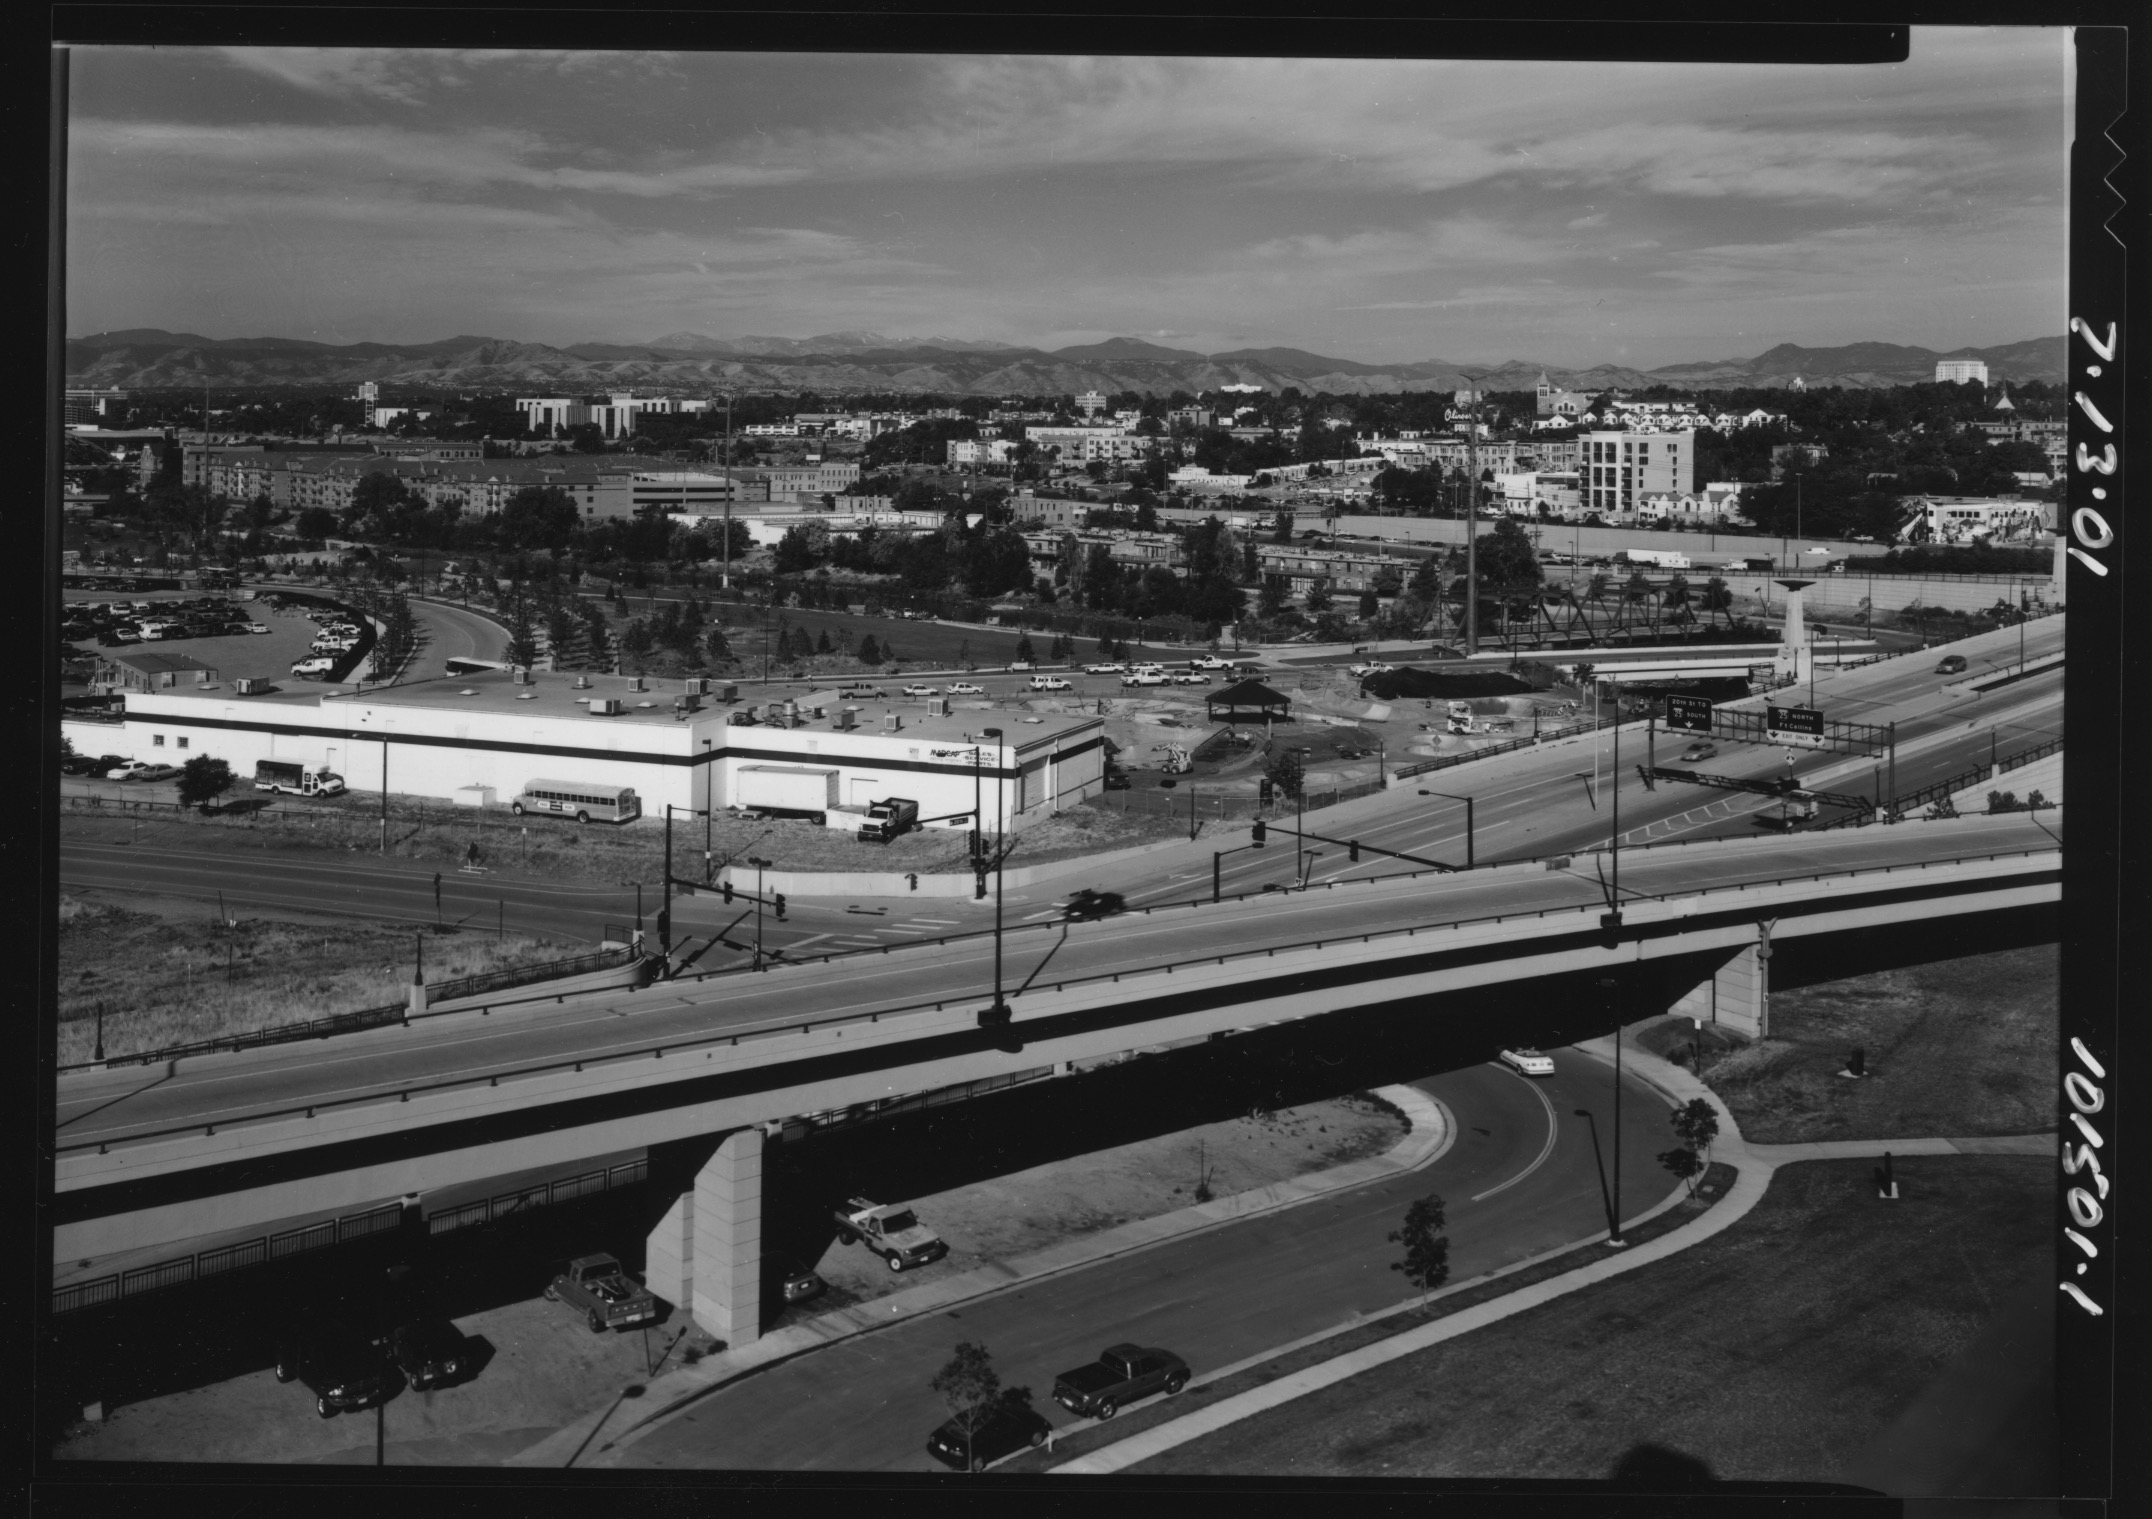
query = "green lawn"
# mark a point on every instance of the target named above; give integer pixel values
(1772, 1352)
(1958, 1047)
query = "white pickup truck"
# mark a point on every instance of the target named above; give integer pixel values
(892, 1232)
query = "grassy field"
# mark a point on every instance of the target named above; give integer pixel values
(1774, 1351)
(443, 834)
(174, 976)
(1959, 1047)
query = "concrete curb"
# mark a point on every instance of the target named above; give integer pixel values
(1754, 1166)
(1433, 1130)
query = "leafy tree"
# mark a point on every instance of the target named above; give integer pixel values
(720, 648)
(970, 1387)
(315, 522)
(822, 645)
(1318, 599)
(1684, 1163)
(793, 553)
(1370, 604)
(870, 652)
(635, 638)
(1716, 597)
(1696, 1124)
(1285, 772)
(1271, 600)
(1024, 651)
(1427, 1252)
(522, 637)
(1281, 528)
(203, 779)
(537, 517)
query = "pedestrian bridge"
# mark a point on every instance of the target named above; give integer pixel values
(154, 1164)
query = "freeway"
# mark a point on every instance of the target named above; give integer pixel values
(1519, 1180)
(455, 632)
(111, 1105)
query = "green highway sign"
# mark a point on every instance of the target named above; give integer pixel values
(1689, 714)
(1794, 725)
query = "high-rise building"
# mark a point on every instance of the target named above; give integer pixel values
(1617, 470)
(1959, 371)
(370, 398)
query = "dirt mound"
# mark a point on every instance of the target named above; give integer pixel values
(1411, 684)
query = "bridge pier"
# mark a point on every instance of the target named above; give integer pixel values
(704, 1254)
(1737, 994)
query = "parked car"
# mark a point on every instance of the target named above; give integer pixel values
(1013, 1425)
(343, 1368)
(1021, 664)
(429, 1352)
(922, 690)
(1369, 667)
(315, 668)
(1049, 683)
(1121, 1375)
(966, 688)
(793, 1280)
(1145, 678)
(602, 1288)
(1211, 662)
(1528, 1062)
(1699, 751)
(860, 693)
(1105, 669)
(145, 770)
(1190, 678)
(1953, 664)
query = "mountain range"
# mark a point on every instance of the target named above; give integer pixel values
(149, 358)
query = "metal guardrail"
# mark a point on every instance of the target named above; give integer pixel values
(364, 1224)
(376, 1017)
(1950, 787)
(733, 1037)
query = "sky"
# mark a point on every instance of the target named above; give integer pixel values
(1377, 210)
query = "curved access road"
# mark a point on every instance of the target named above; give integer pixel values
(1519, 1180)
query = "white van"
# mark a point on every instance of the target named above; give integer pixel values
(316, 668)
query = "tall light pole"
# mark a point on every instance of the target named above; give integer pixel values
(1468, 819)
(997, 1012)
(760, 866)
(1612, 990)
(728, 495)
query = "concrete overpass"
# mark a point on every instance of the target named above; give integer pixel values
(157, 1167)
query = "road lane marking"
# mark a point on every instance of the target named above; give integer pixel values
(1553, 1128)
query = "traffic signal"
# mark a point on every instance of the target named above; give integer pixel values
(1260, 830)
(778, 902)
(1352, 851)
(727, 890)
(1645, 776)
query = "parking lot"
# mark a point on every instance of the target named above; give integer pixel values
(233, 656)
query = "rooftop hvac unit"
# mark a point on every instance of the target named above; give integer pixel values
(605, 706)
(792, 714)
(252, 685)
(937, 706)
(698, 685)
(686, 703)
(523, 675)
(845, 718)
(582, 683)
(891, 722)
(635, 683)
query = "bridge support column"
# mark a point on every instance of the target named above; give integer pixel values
(705, 1252)
(1738, 995)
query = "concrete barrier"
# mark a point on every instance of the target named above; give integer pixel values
(897, 883)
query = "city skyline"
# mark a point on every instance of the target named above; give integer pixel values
(1384, 212)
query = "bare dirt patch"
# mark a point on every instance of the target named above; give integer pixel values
(1014, 1215)
(177, 974)
(1771, 1352)
(1958, 1047)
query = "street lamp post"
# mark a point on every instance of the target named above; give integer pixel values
(997, 1012)
(1605, 1201)
(760, 866)
(1612, 990)
(666, 885)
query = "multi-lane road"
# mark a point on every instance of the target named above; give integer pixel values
(110, 1106)
(1518, 1179)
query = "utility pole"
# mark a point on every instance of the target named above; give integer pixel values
(1472, 525)
(728, 497)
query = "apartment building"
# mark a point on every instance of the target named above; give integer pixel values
(973, 452)
(812, 481)
(1348, 573)
(1619, 469)
(1961, 371)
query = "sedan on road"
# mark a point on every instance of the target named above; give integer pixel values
(966, 688)
(1211, 662)
(1093, 904)
(1190, 678)
(922, 690)
(1108, 669)
(1528, 1062)
(1048, 683)
(1695, 752)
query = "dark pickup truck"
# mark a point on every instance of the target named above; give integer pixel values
(1121, 1375)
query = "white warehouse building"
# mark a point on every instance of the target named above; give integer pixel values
(482, 739)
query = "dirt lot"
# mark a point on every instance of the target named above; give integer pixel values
(167, 972)
(1959, 1047)
(540, 1368)
(1772, 1352)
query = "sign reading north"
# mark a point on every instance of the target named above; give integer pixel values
(1690, 714)
(1794, 725)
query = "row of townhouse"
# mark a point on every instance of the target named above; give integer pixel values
(1049, 548)
(1346, 571)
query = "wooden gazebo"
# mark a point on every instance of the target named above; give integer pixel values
(1249, 700)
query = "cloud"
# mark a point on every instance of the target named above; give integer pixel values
(409, 76)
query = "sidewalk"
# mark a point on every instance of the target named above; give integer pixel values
(1754, 1166)
(604, 1433)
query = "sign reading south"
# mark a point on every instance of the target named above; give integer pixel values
(1794, 725)
(1689, 714)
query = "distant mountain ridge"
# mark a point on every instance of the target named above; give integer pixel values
(148, 358)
